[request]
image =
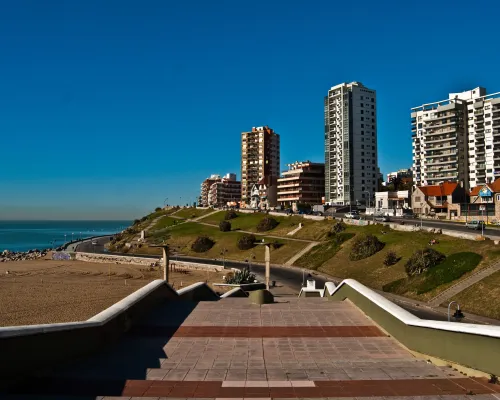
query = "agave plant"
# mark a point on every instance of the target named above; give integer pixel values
(241, 276)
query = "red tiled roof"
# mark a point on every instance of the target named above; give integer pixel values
(493, 186)
(444, 189)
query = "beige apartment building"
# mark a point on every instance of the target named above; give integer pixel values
(225, 192)
(304, 182)
(457, 139)
(260, 163)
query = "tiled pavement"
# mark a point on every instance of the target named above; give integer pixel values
(296, 348)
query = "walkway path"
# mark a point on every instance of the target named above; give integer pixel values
(301, 253)
(292, 349)
(464, 284)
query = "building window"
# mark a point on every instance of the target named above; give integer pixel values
(373, 100)
(361, 105)
(362, 153)
(362, 119)
(362, 146)
(363, 181)
(362, 125)
(373, 107)
(362, 112)
(487, 115)
(363, 160)
(362, 132)
(362, 174)
(361, 97)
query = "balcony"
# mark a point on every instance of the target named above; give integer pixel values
(478, 112)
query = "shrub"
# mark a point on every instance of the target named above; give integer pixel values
(202, 244)
(193, 215)
(422, 260)
(246, 242)
(276, 244)
(364, 247)
(230, 214)
(266, 224)
(157, 209)
(338, 227)
(136, 221)
(239, 277)
(391, 258)
(225, 226)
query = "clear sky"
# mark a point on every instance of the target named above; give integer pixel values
(109, 107)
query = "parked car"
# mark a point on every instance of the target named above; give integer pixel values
(476, 225)
(382, 218)
(352, 215)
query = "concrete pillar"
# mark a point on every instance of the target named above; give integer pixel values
(165, 263)
(143, 235)
(268, 265)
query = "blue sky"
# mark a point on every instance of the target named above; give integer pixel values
(109, 107)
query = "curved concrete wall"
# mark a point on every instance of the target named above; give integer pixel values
(470, 345)
(25, 350)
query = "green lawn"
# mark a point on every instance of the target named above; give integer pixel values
(452, 268)
(243, 222)
(181, 237)
(321, 253)
(192, 212)
(311, 230)
(165, 222)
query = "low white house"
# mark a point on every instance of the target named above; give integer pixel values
(391, 203)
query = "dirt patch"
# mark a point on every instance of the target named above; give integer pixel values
(46, 291)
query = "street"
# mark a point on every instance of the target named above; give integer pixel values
(489, 231)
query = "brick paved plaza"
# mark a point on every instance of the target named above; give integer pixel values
(231, 349)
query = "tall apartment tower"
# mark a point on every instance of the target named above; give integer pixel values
(351, 161)
(260, 162)
(457, 139)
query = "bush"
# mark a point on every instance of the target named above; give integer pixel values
(225, 226)
(276, 244)
(266, 224)
(240, 277)
(246, 242)
(422, 260)
(364, 247)
(230, 214)
(202, 244)
(391, 258)
(338, 227)
(157, 209)
(136, 221)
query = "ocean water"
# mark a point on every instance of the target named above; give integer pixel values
(26, 235)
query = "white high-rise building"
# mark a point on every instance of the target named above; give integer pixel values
(457, 139)
(351, 162)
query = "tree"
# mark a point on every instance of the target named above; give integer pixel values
(396, 182)
(158, 209)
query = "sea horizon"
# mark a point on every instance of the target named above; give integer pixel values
(24, 235)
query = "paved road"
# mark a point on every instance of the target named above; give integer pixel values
(452, 226)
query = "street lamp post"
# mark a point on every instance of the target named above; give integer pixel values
(458, 313)
(482, 221)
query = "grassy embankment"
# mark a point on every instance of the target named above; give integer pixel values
(180, 235)
(464, 257)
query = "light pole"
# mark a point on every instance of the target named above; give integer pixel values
(482, 221)
(223, 253)
(458, 313)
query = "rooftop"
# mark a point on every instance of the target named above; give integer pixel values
(294, 348)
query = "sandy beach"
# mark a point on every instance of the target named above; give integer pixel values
(47, 291)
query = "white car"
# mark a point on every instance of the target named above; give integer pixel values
(352, 215)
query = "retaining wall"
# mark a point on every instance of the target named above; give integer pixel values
(470, 345)
(137, 260)
(28, 350)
